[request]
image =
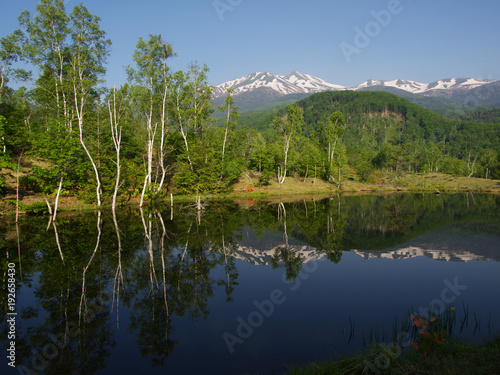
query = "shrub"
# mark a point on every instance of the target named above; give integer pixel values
(37, 208)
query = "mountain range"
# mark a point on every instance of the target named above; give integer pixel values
(263, 88)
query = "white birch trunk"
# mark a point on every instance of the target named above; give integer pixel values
(162, 139)
(150, 144)
(80, 94)
(56, 203)
(282, 171)
(225, 139)
(181, 128)
(116, 135)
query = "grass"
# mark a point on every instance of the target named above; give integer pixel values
(294, 189)
(457, 359)
(386, 182)
(448, 183)
(429, 358)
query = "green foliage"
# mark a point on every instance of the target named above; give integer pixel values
(265, 178)
(2, 185)
(360, 162)
(377, 119)
(166, 118)
(37, 208)
(202, 175)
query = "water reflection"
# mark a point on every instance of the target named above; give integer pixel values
(77, 277)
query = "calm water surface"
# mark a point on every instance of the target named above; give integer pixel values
(245, 287)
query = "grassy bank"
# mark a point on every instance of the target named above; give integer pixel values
(293, 189)
(456, 359)
(428, 182)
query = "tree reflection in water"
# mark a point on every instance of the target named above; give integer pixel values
(161, 269)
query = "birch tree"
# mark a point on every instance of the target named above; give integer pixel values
(70, 52)
(180, 106)
(153, 76)
(230, 123)
(45, 46)
(11, 53)
(330, 134)
(199, 95)
(116, 108)
(287, 126)
(89, 51)
(166, 80)
(191, 104)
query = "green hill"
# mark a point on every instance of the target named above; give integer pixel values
(378, 118)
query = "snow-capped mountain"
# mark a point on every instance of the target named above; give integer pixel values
(294, 83)
(298, 83)
(401, 84)
(261, 88)
(420, 88)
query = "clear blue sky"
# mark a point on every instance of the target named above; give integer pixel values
(424, 40)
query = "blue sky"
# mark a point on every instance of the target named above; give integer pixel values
(341, 41)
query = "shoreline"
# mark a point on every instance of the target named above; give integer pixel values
(457, 358)
(292, 190)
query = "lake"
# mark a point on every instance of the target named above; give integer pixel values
(244, 287)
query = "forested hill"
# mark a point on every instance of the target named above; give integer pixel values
(377, 118)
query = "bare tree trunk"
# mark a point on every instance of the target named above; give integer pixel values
(118, 282)
(57, 241)
(282, 170)
(116, 135)
(181, 128)
(56, 203)
(79, 113)
(469, 166)
(163, 266)
(150, 148)
(48, 206)
(17, 186)
(171, 207)
(225, 138)
(148, 231)
(340, 177)
(162, 139)
(83, 300)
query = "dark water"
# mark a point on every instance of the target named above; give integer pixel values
(244, 287)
